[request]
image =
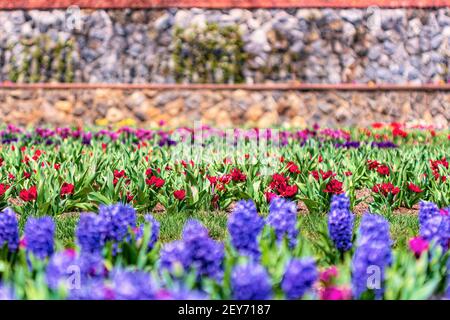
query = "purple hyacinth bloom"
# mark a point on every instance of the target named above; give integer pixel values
(250, 282)
(196, 251)
(180, 293)
(244, 226)
(372, 256)
(9, 230)
(154, 231)
(283, 219)
(6, 293)
(340, 201)
(61, 269)
(340, 223)
(133, 285)
(204, 254)
(119, 219)
(39, 236)
(174, 254)
(68, 269)
(95, 289)
(299, 277)
(427, 210)
(373, 227)
(437, 229)
(91, 232)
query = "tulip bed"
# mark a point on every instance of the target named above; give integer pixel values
(202, 213)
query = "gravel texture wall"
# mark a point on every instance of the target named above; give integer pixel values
(308, 45)
(223, 108)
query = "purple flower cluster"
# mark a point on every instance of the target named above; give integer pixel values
(244, 226)
(340, 222)
(133, 285)
(91, 232)
(372, 256)
(299, 277)
(348, 145)
(173, 256)
(92, 290)
(9, 230)
(39, 236)
(119, 219)
(427, 210)
(437, 229)
(70, 270)
(250, 282)
(195, 251)
(384, 145)
(283, 219)
(114, 223)
(154, 231)
(6, 293)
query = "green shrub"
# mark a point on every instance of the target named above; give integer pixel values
(41, 59)
(210, 54)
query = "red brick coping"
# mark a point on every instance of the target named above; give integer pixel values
(117, 4)
(255, 87)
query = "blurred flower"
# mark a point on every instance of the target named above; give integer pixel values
(327, 275)
(119, 219)
(418, 245)
(39, 236)
(28, 195)
(91, 232)
(283, 219)
(383, 170)
(6, 293)
(244, 226)
(237, 175)
(154, 231)
(155, 182)
(67, 189)
(334, 186)
(372, 256)
(86, 138)
(340, 223)
(250, 282)
(133, 285)
(427, 210)
(414, 188)
(180, 293)
(174, 255)
(9, 230)
(205, 255)
(385, 189)
(179, 194)
(437, 229)
(3, 189)
(335, 293)
(299, 277)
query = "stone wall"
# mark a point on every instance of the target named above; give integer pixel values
(224, 108)
(306, 45)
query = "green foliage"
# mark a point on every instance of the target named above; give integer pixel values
(209, 54)
(41, 59)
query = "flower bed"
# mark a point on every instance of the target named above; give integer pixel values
(299, 225)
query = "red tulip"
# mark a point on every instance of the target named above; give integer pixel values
(3, 189)
(28, 195)
(179, 194)
(383, 170)
(334, 186)
(67, 188)
(414, 188)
